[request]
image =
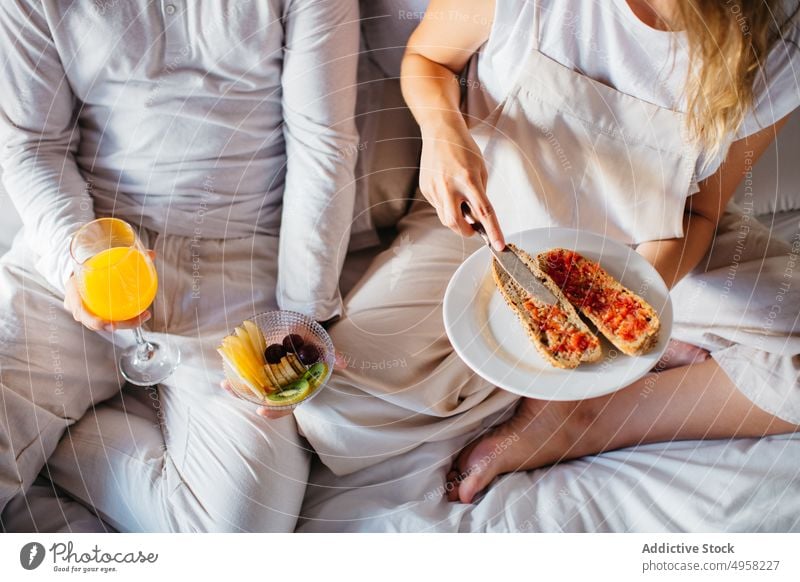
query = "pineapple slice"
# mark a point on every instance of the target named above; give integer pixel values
(247, 345)
(245, 358)
(242, 359)
(254, 350)
(231, 348)
(245, 381)
(257, 338)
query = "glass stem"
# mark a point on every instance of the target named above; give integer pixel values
(144, 349)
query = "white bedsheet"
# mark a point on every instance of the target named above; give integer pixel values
(733, 486)
(743, 485)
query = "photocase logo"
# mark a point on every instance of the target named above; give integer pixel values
(31, 555)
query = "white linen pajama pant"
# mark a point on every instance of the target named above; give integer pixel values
(208, 463)
(406, 386)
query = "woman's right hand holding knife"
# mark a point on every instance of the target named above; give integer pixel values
(452, 168)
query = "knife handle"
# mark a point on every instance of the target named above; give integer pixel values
(474, 223)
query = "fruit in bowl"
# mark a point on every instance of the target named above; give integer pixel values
(278, 359)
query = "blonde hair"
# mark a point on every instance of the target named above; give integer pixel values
(728, 43)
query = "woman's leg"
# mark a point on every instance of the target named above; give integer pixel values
(698, 401)
(404, 384)
(740, 306)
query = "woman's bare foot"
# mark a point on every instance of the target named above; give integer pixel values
(680, 353)
(540, 433)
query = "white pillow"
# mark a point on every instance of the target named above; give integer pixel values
(386, 26)
(388, 156)
(390, 163)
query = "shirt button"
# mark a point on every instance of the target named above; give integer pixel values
(170, 9)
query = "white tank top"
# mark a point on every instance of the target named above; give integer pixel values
(606, 41)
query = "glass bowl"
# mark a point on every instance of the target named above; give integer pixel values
(275, 326)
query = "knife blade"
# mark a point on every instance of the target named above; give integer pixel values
(510, 262)
(522, 276)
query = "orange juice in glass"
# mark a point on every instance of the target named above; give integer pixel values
(118, 282)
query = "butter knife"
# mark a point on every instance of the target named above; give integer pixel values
(511, 263)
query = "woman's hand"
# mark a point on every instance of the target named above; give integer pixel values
(452, 171)
(268, 411)
(74, 304)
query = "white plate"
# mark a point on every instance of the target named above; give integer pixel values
(488, 336)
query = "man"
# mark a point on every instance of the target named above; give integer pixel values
(217, 130)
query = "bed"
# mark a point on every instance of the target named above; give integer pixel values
(711, 486)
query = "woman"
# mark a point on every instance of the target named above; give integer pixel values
(631, 118)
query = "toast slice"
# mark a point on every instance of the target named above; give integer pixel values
(627, 320)
(557, 331)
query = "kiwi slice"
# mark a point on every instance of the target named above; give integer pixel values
(294, 392)
(316, 372)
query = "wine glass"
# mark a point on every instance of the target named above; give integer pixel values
(117, 282)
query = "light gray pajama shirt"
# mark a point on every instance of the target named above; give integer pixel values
(212, 119)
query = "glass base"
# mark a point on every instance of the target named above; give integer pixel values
(149, 365)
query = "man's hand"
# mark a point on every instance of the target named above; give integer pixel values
(268, 411)
(74, 304)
